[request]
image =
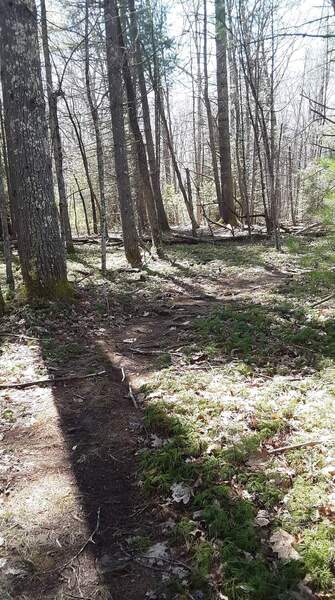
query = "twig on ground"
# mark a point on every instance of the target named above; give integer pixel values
(8, 386)
(84, 546)
(78, 597)
(139, 512)
(323, 300)
(296, 446)
(85, 277)
(19, 335)
(150, 352)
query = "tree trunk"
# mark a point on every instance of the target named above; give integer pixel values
(40, 245)
(209, 114)
(5, 233)
(6, 167)
(2, 304)
(114, 66)
(84, 206)
(226, 205)
(188, 204)
(56, 142)
(140, 148)
(99, 148)
(154, 170)
(77, 130)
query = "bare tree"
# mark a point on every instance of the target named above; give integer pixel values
(114, 65)
(92, 102)
(56, 141)
(226, 205)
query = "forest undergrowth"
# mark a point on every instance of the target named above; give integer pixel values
(225, 386)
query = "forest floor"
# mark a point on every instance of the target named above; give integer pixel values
(198, 461)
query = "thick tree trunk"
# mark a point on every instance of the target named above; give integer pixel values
(154, 169)
(40, 245)
(227, 200)
(56, 141)
(114, 66)
(99, 147)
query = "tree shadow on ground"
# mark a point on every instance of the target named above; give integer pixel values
(100, 427)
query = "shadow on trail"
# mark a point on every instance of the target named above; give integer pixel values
(100, 427)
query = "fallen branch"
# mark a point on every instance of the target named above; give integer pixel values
(323, 300)
(296, 446)
(19, 335)
(8, 386)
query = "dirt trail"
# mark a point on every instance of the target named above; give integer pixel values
(69, 469)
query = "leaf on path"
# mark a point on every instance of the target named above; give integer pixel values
(281, 543)
(328, 470)
(181, 493)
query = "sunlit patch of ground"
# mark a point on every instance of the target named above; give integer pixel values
(39, 497)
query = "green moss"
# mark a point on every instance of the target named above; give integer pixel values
(59, 290)
(303, 500)
(318, 551)
(264, 336)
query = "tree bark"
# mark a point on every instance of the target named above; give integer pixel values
(114, 67)
(207, 101)
(5, 233)
(99, 147)
(40, 245)
(56, 142)
(140, 148)
(226, 205)
(2, 304)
